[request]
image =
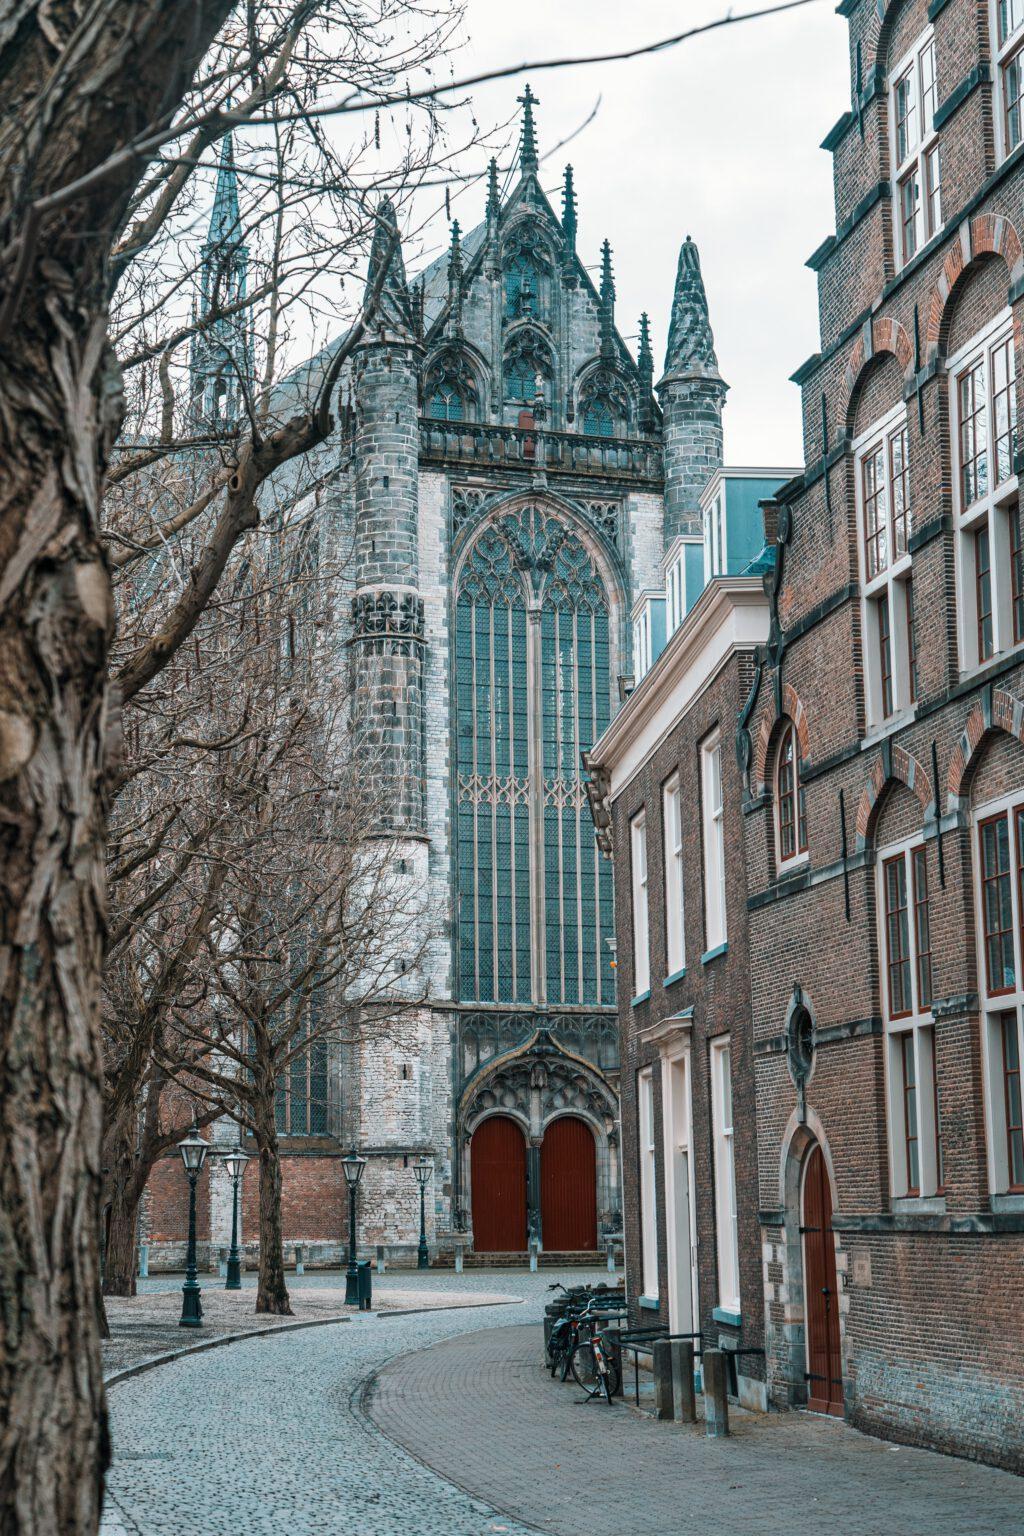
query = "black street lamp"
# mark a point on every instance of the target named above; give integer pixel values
(353, 1165)
(424, 1171)
(193, 1155)
(234, 1162)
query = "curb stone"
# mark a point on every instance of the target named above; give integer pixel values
(153, 1361)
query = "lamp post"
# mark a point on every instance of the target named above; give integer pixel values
(193, 1155)
(353, 1166)
(423, 1168)
(234, 1162)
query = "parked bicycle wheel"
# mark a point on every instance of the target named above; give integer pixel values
(585, 1367)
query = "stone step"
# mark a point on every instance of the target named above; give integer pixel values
(578, 1260)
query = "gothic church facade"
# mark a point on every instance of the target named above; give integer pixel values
(515, 481)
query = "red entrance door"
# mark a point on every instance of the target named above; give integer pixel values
(498, 1163)
(568, 1187)
(824, 1367)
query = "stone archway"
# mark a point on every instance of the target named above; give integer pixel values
(537, 1085)
(803, 1144)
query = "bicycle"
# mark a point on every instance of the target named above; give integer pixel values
(595, 1365)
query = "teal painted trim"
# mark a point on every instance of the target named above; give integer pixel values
(721, 1315)
(670, 981)
(837, 134)
(979, 75)
(846, 7)
(805, 370)
(817, 259)
(641, 997)
(650, 1303)
(713, 954)
(935, 7)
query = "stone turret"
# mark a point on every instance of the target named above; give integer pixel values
(692, 392)
(387, 612)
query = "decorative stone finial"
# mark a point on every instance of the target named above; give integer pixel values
(691, 344)
(394, 311)
(528, 142)
(569, 209)
(607, 302)
(455, 280)
(493, 200)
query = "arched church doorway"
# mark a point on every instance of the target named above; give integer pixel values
(497, 1156)
(568, 1186)
(821, 1297)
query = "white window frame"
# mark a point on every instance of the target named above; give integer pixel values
(994, 1003)
(800, 855)
(681, 1236)
(713, 817)
(648, 1183)
(726, 1213)
(920, 164)
(1009, 51)
(672, 828)
(991, 510)
(641, 919)
(888, 585)
(675, 594)
(642, 642)
(916, 1022)
(715, 537)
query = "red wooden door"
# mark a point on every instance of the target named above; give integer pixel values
(824, 1366)
(498, 1163)
(568, 1187)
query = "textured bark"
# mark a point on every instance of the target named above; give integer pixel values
(271, 1291)
(125, 1181)
(82, 81)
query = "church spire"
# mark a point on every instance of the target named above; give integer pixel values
(455, 281)
(394, 310)
(691, 344)
(569, 209)
(225, 220)
(221, 351)
(528, 143)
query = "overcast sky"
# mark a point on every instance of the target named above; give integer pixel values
(718, 138)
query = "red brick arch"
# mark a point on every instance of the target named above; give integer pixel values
(1007, 715)
(990, 234)
(792, 709)
(884, 335)
(904, 768)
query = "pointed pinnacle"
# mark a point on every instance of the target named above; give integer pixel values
(607, 280)
(691, 345)
(645, 357)
(493, 200)
(528, 141)
(569, 207)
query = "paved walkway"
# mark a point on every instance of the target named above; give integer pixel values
(478, 1411)
(266, 1436)
(297, 1432)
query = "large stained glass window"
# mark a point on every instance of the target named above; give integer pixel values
(532, 677)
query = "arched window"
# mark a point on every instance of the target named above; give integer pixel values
(598, 420)
(522, 288)
(521, 380)
(446, 404)
(534, 895)
(790, 799)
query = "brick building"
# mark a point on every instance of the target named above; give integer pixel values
(881, 750)
(502, 489)
(667, 795)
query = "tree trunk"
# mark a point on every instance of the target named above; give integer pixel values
(75, 91)
(125, 1182)
(271, 1292)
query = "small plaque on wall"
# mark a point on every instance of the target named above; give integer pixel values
(860, 1268)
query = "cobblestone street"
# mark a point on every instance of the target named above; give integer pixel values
(298, 1432)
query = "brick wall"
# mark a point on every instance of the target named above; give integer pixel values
(931, 1349)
